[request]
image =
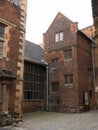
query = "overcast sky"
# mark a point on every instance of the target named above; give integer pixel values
(41, 13)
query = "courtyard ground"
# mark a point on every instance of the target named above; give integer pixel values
(57, 121)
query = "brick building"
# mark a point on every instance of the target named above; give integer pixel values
(95, 19)
(35, 78)
(24, 80)
(12, 39)
(68, 52)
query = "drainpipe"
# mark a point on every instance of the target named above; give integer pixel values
(93, 60)
(47, 83)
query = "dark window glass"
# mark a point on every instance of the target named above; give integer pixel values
(68, 54)
(54, 63)
(34, 81)
(91, 93)
(2, 29)
(54, 87)
(1, 49)
(69, 79)
(66, 79)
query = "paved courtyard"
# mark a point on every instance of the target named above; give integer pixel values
(57, 121)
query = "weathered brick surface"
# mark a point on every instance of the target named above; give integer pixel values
(33, 106)
(13, 13)
(60, 24)
(70, 97)
(91, 31)
(95, 8)
(84, 66)
(12, 16)
(95, 19)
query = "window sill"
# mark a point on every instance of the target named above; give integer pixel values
(59, 41)
(68, 60)
(54, 68)
(2, 40)
(68, 85)
(33, 100)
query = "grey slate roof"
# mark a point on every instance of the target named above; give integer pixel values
(34, 52)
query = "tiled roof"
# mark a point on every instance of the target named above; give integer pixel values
(34, 52)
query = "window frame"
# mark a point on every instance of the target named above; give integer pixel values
(55, 63)
(1, 49)
(2, 31)
(55, 87)
(56, 37)
(68, 54)
(59, 36)
(34, 81)
(69, 80)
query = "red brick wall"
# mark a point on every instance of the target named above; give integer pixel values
(60, 23)
(12, 15)
(33, 106)
(84, 53)
(70, 97)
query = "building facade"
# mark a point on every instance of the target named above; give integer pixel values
(12, 39)
(68, 82)
(95, 19)
(90, 32)
(68, 53)
(35, 79)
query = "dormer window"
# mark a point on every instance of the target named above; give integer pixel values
(59, 37)
(16, 2)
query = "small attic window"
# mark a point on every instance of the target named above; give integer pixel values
(59, 37)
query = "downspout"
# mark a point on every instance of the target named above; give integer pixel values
(93, 61)
(47, 83)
